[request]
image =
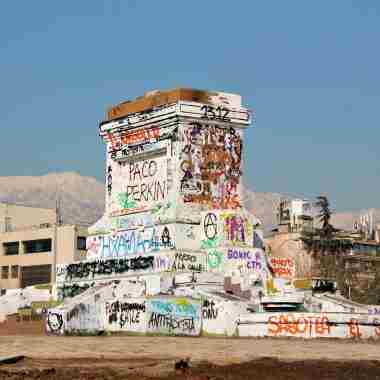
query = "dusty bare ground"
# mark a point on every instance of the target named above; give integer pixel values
(124, 357)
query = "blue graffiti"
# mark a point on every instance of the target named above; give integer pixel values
(176, 308)
(133, 242)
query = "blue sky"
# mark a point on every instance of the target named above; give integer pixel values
(310, 69)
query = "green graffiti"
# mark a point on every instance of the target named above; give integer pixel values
(214, 259)
(125, 202)
(210, 243)
(160, 207)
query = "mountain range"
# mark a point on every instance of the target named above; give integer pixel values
(81, 199)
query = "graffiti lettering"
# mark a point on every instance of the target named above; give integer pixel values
(302, 326)
(92, 269)
(353, 328)
(282, 267)
(186, 262)
(171, 323)
(130, 242)
(209, 311)
(218, 113)
(124, 313)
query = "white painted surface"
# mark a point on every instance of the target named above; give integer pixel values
(309, 325)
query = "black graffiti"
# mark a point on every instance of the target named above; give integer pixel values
(55, 322)
(210, 225)
(218, 113)
(129, 317)
(152, 191)
(147, 169)
(209, 311)
(118, 306)
(165, 238)
(109, 179)
(85, 270)
(72, 290)
(76, 310)
(124, 312)
(186, 262)
(158, 321)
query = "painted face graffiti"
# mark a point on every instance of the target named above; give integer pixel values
(54, 322)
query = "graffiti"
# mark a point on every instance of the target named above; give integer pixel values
(125, 201)
(186, 262)
(235, 228)
(27, 314)
(72, 290)
(252, 262)
(129, 222)
(376, 323)
(211, 160)
(174, 316)
(138, 136)
(162, 263)
(282, 267)
(374, 310)
(212, 113)
(130, 151)
(109, 180)
(209, 311)
(93, 269)
(137, 185)
(158, 321)
(300, 326)
(232, 228)
(210, 226)
(129, 242)
(214, 260)
(124, 313)
(54, 322)
(166, 239)
(354, 329)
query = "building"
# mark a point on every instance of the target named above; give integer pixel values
(32, 243)
(294, 215)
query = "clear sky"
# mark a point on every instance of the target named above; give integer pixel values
(310, 69)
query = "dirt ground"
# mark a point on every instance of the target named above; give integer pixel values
(125, 357)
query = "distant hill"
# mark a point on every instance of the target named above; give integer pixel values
(82, 198)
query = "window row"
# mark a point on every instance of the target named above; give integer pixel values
(36, 246)
(5, 271)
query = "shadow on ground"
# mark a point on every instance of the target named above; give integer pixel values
(144, 369)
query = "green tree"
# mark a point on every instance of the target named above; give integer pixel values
(327, 246)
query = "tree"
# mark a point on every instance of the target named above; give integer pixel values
(326, 246)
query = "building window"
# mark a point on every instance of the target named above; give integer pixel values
(35, 246)
(11, 248)
(14, 271)
(81, 243)
(5, 272)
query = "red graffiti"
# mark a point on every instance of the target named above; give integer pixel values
(304, 325)
(282, 267)
(376, 322)
(354, 329)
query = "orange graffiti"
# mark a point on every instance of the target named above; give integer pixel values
(376, 322)
(354, 329)
(304, 326)
(140, 135)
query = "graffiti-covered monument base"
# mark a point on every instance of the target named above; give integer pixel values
(175, 252)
